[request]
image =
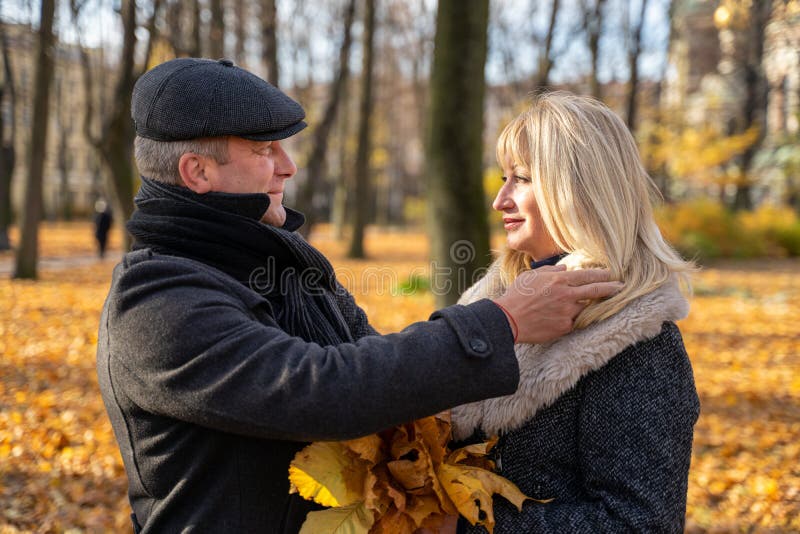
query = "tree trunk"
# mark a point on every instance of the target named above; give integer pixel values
(6, 169)
(269, 41)
(116, 143)
(117, 133)
(362, 185)
(27, 255)
(196, 48)
(316, 162)
(175, 20)
(633, 65)
(456, 203)
(240, 9)
(216, 33)
(340, 197)
(7, 153)
(545, 59)
(593, 24)
(64, 125)
(661, 175)
(755, 105)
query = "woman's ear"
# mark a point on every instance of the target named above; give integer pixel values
(192, 168)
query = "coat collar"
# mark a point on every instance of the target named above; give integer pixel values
(550, 370)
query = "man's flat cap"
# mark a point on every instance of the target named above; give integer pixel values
(187, 98)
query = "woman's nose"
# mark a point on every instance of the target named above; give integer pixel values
(503, 200)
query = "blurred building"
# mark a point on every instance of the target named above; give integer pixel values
(705, 79)
(73, 173)
(719, 77)
(782, 70)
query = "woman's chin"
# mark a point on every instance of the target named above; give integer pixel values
(513, 243)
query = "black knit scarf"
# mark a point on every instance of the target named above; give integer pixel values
(223, 230)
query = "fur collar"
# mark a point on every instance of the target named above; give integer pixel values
(548, 371)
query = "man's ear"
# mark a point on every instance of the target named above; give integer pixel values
(192, 168)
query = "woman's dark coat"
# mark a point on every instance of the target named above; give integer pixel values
(602, 423)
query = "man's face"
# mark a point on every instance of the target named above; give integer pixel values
(255, 167)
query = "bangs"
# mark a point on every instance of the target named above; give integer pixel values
(513, 144)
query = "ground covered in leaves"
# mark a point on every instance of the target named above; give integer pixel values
(60, 470)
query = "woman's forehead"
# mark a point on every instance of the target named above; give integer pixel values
(509, 161)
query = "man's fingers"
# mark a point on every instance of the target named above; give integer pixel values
(587, 276)
(597, 291)
(550, 268)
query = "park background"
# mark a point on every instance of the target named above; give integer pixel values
(404, 100)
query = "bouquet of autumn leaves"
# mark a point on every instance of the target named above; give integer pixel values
(398, 480)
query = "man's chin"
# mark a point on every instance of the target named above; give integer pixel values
(274, 216)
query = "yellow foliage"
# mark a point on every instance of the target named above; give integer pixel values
(695, 154)
(707, 229)
(414, 484)
(162, 51)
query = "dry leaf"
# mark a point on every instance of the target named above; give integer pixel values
(352, 519)
(324, 473)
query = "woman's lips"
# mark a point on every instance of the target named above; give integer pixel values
(512, 224)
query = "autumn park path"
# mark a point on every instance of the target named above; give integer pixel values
(60, 263)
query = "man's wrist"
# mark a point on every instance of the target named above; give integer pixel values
(511, 321)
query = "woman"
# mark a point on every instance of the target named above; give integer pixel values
(603, 419)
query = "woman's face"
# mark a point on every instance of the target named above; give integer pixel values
(521, 219)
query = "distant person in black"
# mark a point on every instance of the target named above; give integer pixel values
(102, 224)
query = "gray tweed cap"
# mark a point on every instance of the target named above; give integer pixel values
(187, 98)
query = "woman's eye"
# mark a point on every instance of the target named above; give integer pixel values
(521, 179)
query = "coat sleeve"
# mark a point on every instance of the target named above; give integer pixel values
(182, 345)
(635, 444)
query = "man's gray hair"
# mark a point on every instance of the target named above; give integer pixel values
(158, 160)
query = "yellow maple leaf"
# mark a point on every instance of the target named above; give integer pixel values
(471, 489)
(325, 473)
(352, 519)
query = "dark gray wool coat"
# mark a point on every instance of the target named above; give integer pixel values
(602, 423)
(210, 398)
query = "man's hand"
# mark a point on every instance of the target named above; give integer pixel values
(542, 303)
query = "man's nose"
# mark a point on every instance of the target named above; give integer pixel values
(284, 165)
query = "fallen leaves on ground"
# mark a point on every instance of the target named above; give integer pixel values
(60, 469)
(67, 239)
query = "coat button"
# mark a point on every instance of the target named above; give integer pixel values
(478, 345)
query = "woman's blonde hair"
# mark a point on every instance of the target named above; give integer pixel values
(594, 196)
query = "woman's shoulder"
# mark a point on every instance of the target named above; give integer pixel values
(653, 369)
(662, 350)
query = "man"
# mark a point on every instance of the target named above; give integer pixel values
(226, 342)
